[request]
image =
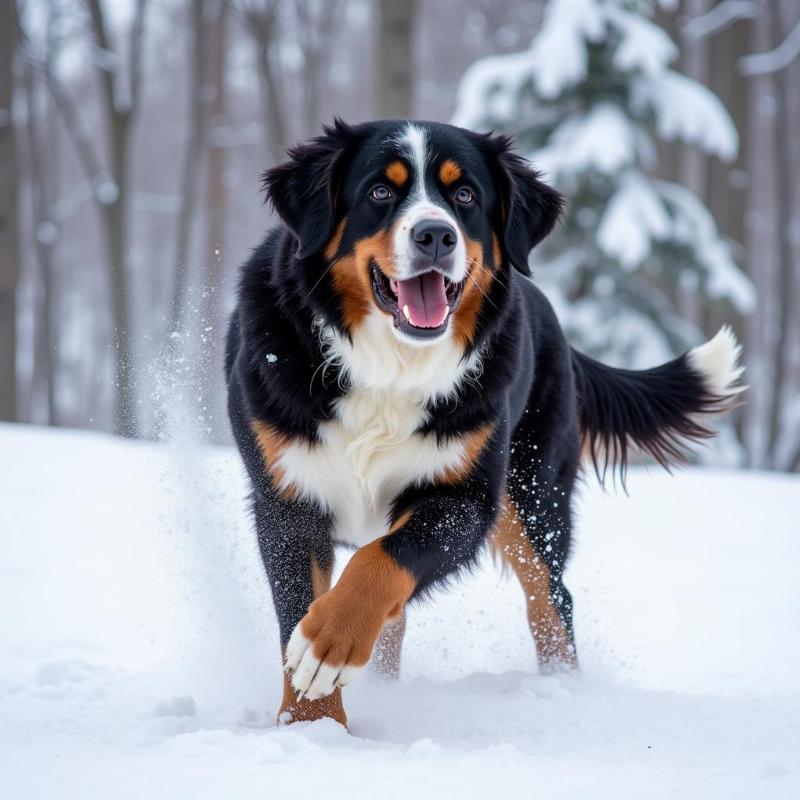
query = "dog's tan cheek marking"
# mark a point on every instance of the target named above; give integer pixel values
(351, 284)
(351, 276)
(510, 542)
(346, 282)
(474, 444)
(449, 172)
(345, 622)
(379, 248)
(397, 173)
(272, 444)
(476, 287)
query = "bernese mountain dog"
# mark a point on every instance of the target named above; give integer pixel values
(397, 383)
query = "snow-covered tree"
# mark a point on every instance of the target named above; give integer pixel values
(588, 102)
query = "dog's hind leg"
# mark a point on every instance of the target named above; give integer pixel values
(549, 605)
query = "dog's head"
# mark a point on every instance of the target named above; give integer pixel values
(413, 221)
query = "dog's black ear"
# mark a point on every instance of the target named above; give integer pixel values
(529, 208)
(303, 190)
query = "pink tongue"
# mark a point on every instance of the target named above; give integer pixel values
(424, 298)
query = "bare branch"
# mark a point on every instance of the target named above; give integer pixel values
(315, 24)
(73, 122)
(773, 60)
(262, 22)
(100, 33)
(260, 18)
(196, 130)
(719, 18)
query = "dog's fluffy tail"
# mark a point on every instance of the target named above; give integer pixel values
(658, 411)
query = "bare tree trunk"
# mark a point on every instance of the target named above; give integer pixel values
(693, 163)
(787, 351)
(728, 183)
(316, 24)
(196, 129)
(311, 106)
(395, 39)
(761, 242)
(262, 23)
(43, 169)
(215, 194)
(783, 201)
(215, 187)
(216, 225)
(9, 250)
(115, 216)
(111, 188)
(120, 112)
(668, 167)
(274, 115)
(40, 168)
(667, 152)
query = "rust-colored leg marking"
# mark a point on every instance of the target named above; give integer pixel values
(320, 577)
(510, 541)
(294, 710)
(271, 443)
(401, 520)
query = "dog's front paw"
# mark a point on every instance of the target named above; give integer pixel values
(331, 644)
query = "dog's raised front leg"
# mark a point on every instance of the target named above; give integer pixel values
(334, 641)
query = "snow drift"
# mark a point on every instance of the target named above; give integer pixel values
(140, 654)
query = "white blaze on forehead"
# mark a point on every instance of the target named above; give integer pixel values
(414, 141)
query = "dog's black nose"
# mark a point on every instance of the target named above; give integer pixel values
(434, 238)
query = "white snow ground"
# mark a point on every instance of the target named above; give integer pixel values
(140, 656)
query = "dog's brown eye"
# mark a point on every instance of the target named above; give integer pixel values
(464, 196)
(380, 193)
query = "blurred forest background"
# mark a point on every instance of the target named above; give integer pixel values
(133, 134)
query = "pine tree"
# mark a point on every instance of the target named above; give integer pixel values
(587, 103)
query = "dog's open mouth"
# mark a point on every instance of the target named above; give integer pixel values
(420, 306)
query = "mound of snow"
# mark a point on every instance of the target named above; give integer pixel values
(140, 655)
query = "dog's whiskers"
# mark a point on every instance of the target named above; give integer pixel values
(478, 286)
(319, 280)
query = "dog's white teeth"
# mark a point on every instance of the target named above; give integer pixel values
(446, 312)
(407, 314)
(393, 285)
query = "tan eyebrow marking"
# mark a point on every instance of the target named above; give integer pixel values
(397, 172)
(449, 172)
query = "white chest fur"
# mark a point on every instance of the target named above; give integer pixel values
(364, 459)
(371, 451)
